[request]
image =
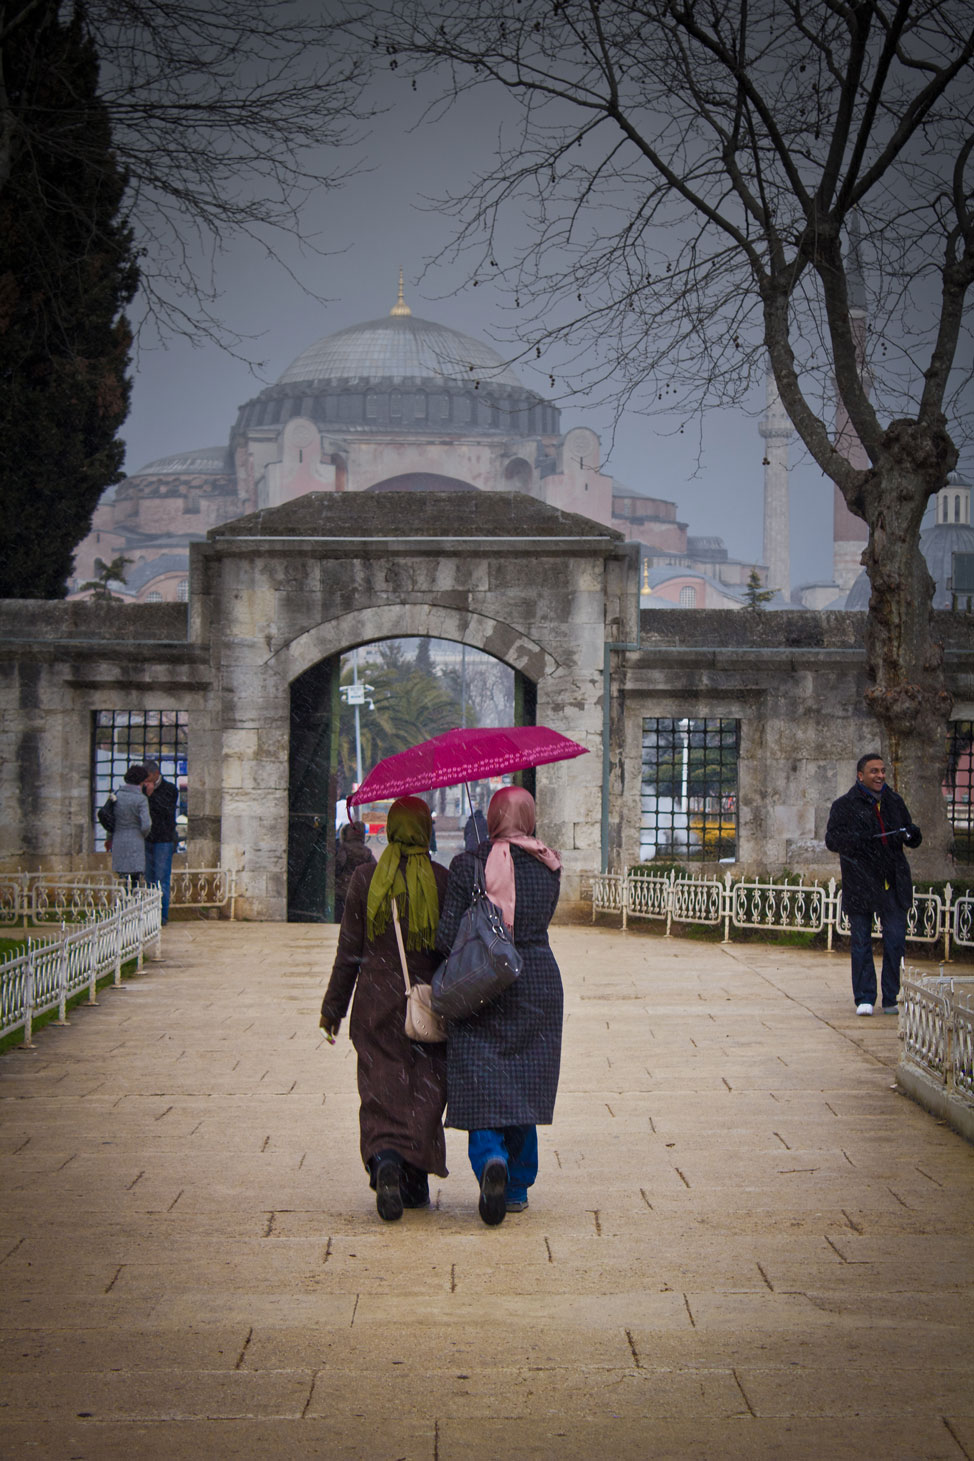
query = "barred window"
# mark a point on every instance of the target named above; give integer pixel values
(688, 597)
(182, 591)
(689, 789)
(121, 738)
(958, 787)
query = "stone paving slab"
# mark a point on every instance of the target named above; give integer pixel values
(744, 1242)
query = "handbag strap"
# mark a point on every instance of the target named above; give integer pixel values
(402, 950)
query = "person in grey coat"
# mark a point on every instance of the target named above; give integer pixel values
(132, 823)
(503, 1062)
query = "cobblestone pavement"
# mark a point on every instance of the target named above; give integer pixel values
(743, 1243)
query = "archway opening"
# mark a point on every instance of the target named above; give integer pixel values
(353, 709)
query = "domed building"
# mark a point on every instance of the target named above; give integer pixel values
(152, 517)
(951, 533)
(402, 403)
(397, 404)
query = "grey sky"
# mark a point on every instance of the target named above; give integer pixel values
(185, 398)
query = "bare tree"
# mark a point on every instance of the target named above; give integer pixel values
(691, 170)
(224, 115)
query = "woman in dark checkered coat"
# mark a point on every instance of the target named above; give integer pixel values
(502, 1063)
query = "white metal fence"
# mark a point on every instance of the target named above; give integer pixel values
(47, 974)
(937, 918)
(36, 898)
(937, 1028)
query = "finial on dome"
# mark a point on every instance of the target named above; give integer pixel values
(400, 307)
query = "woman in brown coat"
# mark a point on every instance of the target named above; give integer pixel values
(402, 1083)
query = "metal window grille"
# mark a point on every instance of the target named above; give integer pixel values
(689, 788)
(958, 787)
(121, 738)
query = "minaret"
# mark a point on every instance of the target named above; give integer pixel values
(777, 430)
(849, 533)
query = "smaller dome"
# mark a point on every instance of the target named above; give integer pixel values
(205, 459)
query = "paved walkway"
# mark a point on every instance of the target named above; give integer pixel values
(744, 1242)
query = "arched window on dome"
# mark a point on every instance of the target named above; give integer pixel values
(419, 406)
(371, 406)
(395, 406)
(154, 597)
(182, 591)
(441, 407)
(945, 515)
(688, 597)
(462, 408)
(957, 508)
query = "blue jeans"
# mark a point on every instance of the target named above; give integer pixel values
(515, 1145)
(158, 870)
(892, 920)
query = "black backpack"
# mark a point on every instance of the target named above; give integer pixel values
(106, 814)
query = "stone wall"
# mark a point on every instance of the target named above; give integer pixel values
(277, 593)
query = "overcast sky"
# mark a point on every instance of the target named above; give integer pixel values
(184, 398)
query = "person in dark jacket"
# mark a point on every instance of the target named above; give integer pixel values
(503, 1062)
(868, 828)
(350, 854)
(161, 841)
(474, 830)
(402, 1083)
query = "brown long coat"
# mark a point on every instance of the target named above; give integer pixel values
(402, 1084)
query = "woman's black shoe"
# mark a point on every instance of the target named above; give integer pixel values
(493, 1192)
(388, 1193)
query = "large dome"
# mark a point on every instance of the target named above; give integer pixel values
(401, 375)
(399, 347)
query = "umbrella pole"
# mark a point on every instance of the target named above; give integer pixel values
(466, 787)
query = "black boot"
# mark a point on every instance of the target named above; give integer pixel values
(388, 1191)
(493, 1192)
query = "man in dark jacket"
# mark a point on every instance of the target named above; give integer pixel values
(161, 841)
(868, 828)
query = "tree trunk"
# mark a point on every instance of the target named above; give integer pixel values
(909, 695)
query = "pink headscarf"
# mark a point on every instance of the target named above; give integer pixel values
(511, 817)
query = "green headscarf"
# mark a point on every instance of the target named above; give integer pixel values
(409, 826)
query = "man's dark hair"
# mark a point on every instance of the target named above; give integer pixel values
(135, 775)
(863, 761)
(152, 768)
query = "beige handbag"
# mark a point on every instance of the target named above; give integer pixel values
(421, 1023)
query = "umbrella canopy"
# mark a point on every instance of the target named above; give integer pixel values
(459, 756)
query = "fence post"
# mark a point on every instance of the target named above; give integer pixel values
(29, 997)
(726, 903)
(91, 945)
(119, 909)
(625, 901)
(62, 978)
(233, 894)
(948, 893)
(830, 914)
(671, 877)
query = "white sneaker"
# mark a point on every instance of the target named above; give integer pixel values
(864, 1009)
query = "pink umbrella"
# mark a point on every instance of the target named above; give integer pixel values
(459, 756)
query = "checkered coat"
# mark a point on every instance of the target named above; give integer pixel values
(503, 1063)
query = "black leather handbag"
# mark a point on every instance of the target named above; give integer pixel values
(481, 965)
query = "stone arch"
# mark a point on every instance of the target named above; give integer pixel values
(407, 621)
(309, 667)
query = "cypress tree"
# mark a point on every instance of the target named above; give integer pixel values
(67, 271)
